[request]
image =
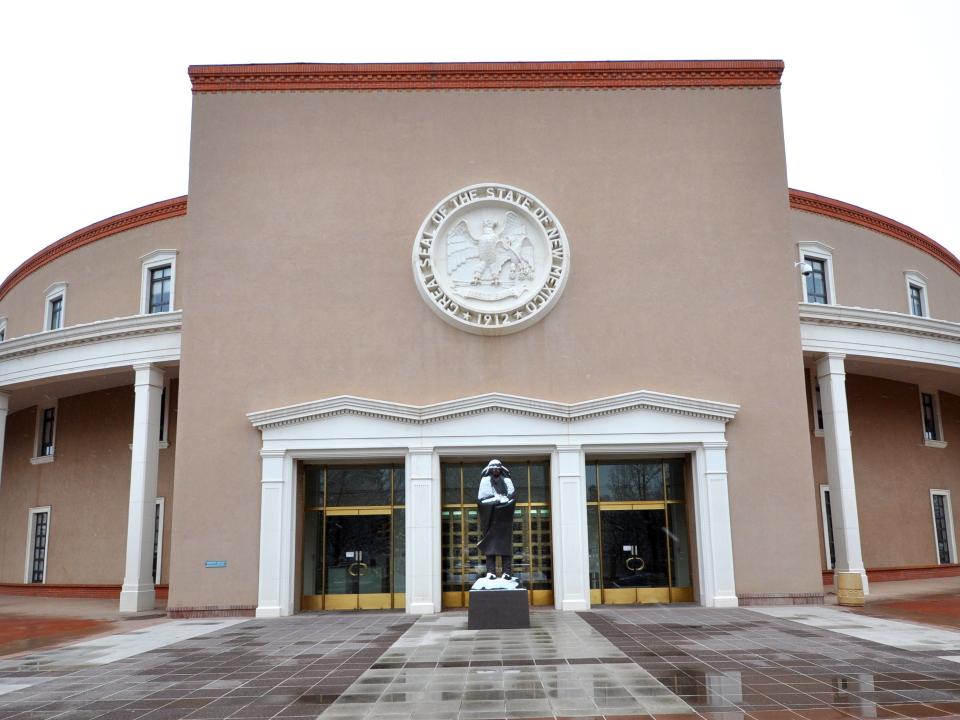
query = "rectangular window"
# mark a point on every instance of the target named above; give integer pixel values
(827, 518)
(163, 413)
(916, 300)
(47, 425)
(56, 313)
(39, 530)
(943, 527)
(157, 540)
(160, 282)
(930, 429)
(817, 281)
(819, 405)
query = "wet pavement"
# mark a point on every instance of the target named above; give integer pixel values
(942, 609)
(21, 634)
(640, 662)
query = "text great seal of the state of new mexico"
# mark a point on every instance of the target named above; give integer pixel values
(491, 259)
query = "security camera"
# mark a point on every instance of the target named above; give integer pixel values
(805, 267)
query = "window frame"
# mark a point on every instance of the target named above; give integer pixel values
(816, 403)
(827, 529)
(153, 261)
(159, 503)
(57, 289)
(940, 441)
(31, 529)
(824, 253)
(3, 328)
(951, 534)
(912, 278)
(37, 458)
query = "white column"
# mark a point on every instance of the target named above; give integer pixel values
(423, 531)
(270, 594)
(4, 408)
(714, 537)
(843, 492)
(137, 593)
(568, 500)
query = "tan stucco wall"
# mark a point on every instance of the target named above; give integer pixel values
(103, 277)
(869, 267)
(87, 488)
(303, 209)
(895, 471)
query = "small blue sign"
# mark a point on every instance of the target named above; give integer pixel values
(214, 563)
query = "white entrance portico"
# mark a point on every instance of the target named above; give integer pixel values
(633, 424)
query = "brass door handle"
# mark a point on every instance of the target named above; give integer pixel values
(361, 569)
(635, 563)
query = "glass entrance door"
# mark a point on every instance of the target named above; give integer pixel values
(352, 555)
(461, 562)
(637, 526)
(358, 560)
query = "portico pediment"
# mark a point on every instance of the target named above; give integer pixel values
(640, 400)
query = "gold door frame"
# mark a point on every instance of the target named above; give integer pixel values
(633, 596)
(354, 601)
(461, 598)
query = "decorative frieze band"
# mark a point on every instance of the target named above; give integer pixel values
(174, 207)
(485, 76)
(838, 210)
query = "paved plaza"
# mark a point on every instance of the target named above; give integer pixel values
(641, 662)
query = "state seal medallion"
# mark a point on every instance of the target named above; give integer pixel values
(491, 259)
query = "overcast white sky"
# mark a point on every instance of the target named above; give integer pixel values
(96, 111)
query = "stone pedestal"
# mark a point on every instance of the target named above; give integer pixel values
(498, 610)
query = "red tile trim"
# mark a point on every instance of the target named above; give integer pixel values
(212, 611)
(838, 210)
(911, 572)
(485, 76)
(174, 207)
(103, 592)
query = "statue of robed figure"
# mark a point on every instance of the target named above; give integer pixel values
(496, 501)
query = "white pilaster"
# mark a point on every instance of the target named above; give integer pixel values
(4, 408)
(423, 531)
(714, 537)
(137, 593)
(272, 541)
(843, 492)
(568, 498)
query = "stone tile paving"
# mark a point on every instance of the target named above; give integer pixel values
(732, 664)
(560, 667)
(637, 662)
(295, 667)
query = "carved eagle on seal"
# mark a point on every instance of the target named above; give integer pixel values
(481, 260)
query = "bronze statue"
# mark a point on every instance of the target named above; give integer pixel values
(496, 501)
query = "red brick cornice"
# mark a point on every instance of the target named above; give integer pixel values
(174, 207)
(485, 76)
(810, 202)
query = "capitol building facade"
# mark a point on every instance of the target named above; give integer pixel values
(276, 393)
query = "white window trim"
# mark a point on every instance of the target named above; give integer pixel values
(58, 289)
(951, 537)
(155, 259)
(817, 431)
(38, 459)
(28, 564)
(160, 503)
(3, 327)
(824, 489)
(165, 428)
(818, 250)
(912, 277)
(932, 392)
